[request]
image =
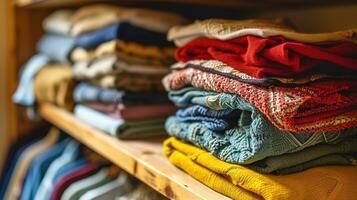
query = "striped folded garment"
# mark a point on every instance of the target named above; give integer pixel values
(320, 106)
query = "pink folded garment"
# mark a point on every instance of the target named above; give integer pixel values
(141, 112)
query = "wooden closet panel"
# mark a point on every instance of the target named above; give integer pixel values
(315, 19)
(6, 114)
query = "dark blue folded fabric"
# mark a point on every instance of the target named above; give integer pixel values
(215, 120)
(125, 32)
(85, 92)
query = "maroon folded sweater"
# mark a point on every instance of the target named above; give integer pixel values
(78, 174)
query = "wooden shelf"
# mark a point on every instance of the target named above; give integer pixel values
(142, 159)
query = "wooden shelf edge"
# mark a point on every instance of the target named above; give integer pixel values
(142, 159)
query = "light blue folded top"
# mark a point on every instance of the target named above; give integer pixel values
(57, 47)
(118, 127)
(24, 94)
(98, 120)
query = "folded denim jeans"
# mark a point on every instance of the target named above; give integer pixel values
(57, 47)
(125, 32)
(254, 137)
(119, 127)
(215, 120)
(239, 182)
(24, 94)
(85, 92)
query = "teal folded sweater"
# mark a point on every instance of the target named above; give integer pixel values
(253, 138)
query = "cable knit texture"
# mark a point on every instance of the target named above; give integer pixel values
(318, 107)
(215, 120)
(248, 143)
(253, 138)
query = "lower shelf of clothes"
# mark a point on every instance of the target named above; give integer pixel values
(49, 164)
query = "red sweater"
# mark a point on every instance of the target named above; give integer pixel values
(275, 56)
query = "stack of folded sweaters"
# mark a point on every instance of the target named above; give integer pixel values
(121, 56)
(118, 56)
(258, 99)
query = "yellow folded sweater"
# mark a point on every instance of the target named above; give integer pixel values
(54, 84)
(239, 182)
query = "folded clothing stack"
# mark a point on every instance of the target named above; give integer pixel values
(47, 76)
(120, 57)
(259, 97)
(117, 55)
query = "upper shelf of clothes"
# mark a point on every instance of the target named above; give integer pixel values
(224, 3)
